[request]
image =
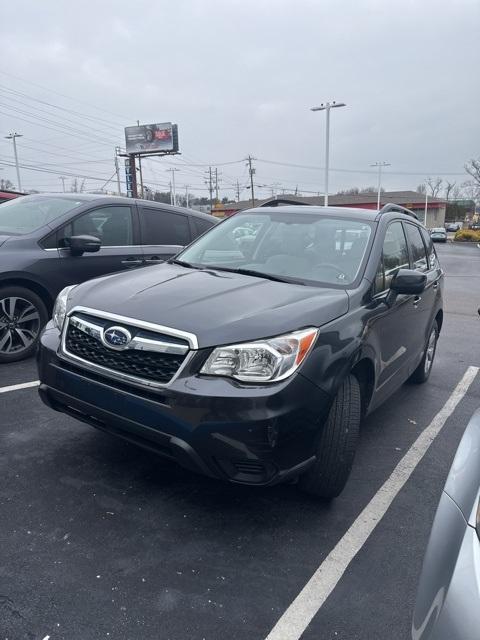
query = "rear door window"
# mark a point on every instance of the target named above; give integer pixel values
(417, 248)
(432, 256)
(200, 226)
(161, 227)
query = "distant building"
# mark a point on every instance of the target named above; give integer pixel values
(6, 194)
(410, 199)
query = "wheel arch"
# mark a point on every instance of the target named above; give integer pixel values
(36, 287)
(364, 371)
(439, 319)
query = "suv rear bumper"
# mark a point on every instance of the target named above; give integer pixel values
(246, 434)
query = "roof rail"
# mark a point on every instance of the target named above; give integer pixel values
(396, 207)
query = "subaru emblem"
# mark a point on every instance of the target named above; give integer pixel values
(116, 338)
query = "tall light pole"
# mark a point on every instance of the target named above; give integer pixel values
(12, 137)
(380, 165)
(326, 107)
(426, 206)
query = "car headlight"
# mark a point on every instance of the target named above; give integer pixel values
(263, 361)
(60, 308)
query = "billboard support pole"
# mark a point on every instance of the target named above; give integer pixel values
(141, 176)
(133, 171)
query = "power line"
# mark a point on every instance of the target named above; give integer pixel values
(67, 127)
(44, 126)
(362, 171)
(10, 75)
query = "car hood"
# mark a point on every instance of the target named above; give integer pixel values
(217, 306)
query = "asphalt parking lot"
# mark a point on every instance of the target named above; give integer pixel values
(99, 539)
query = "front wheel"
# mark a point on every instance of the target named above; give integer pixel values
(22, 316)
(337, 444)
(422, 372)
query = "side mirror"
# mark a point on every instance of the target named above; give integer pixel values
(83, 244)
(409, 282)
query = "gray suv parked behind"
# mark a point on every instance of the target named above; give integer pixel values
(53, 240)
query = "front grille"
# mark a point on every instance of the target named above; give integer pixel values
(151, 366)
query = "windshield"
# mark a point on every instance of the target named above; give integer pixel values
(26, 214)
(308, 248)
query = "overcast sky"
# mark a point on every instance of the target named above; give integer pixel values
(239, 78)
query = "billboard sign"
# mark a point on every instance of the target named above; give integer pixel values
(128, 177)
(151, 138)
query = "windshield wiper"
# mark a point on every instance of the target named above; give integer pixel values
(256, 274)
(182, 263)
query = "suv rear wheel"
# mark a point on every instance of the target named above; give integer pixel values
(22, 316)
(422, 372)
(337, 444)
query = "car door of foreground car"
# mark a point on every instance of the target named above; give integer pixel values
(392, 327)
(163, 233)
(117, 228)
(425, 301)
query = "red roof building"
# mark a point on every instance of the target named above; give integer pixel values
(436, 207)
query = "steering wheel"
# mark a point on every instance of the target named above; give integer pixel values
(330, 265)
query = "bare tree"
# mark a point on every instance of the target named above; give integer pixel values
(421, 188)
(471, 190)
(354, 191)
(473, 169)
(449, 189)
(434, 184)
(6, 184)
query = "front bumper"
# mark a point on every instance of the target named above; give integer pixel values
(242, 433)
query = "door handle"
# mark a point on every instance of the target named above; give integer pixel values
(154, 260)
(416, 300)
(132, 262)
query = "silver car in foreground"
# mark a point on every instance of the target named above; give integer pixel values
(448, 596)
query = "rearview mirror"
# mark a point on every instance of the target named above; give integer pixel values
(83, 244)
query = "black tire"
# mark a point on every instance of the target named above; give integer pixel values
(422, 372)
(337, 444)
(19, 337)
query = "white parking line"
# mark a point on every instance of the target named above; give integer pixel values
(300, 613)
(16, 387)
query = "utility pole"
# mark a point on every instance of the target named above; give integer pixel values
(380, 166)
(216, 184)
(209, 183)
(251, 171)
(273, 188)
(13, 136)
(326, 107)
(172, 190)
(63, 182)
(117, 171)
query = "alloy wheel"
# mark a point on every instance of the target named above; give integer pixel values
(430, 353)
(19, 324)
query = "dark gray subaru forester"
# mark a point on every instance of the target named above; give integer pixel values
(253, 355)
